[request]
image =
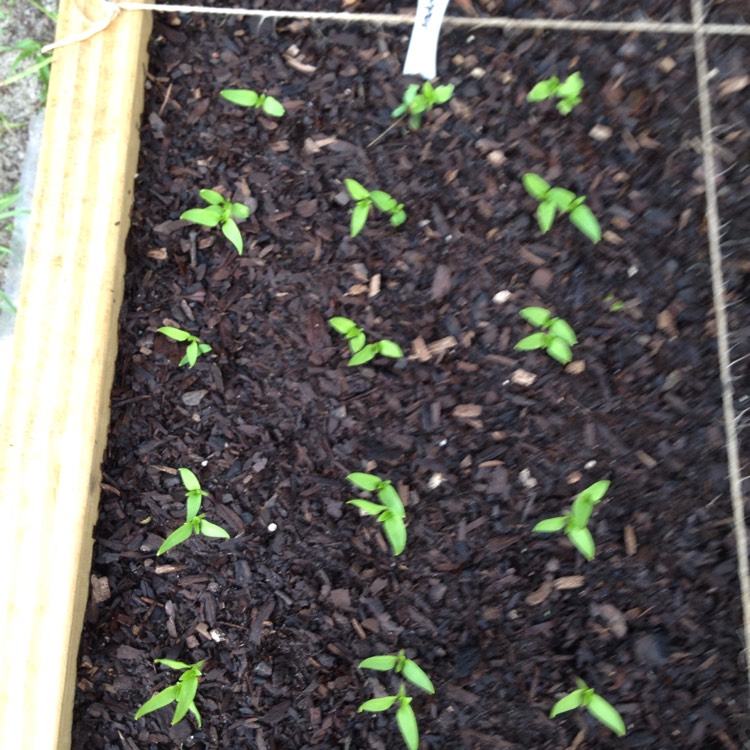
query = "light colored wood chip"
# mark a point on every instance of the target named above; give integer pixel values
(467, 411)
(569, 582)
(631, 543)
(540, 595)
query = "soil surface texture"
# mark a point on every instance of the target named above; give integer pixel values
(482, 441)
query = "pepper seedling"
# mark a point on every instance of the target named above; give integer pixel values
(220, 212)
(390, 511)
(409, 670)
(416, 101)
(248, 98)
(194, 346)
(554, 200)
(195, 523)
(588, 698)
(575, 522)
(363, 352)
(182, 692)
(556, 336)
(365, 199)
(567, 91)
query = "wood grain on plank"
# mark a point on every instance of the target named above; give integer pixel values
(56, 410)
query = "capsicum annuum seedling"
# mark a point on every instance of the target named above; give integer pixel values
(220, 212)
(363, 352)
(390, 511)
(194, 346)
(567, 91)
(556, 336)
(416, 101)
(365, 199)
(554, 200)
(588, 698)
(247, 98)
(409, 670)
(195, 523)
(575, 522)
(182, 692)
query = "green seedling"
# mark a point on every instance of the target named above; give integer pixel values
(586, 697)
(248, 98)
(556, 336)
(194, 348)
(575, 522)
(182, 692)
(554, 200)
(389, 511)
(195, 523)
(409, 670)
(615, 305)
(567, 91)
(219, 212)
(416, 101)
(365, 199)
(363, 352)
(29, 50)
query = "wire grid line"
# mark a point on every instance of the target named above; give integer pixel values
(112, 9)
(722, 326)
(699, 31)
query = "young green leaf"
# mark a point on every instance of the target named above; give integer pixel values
(383, 201)
(173, 664)
(161, 699)
(364, 355)
(584, 220)
(390, 498)
(390, 349)
(174, 333)
(212, 530)
(240, 211)
(545, 215)
(381, 663)
(535, 186)
(443, 93)
(342, 325)
(188, 689)
(398, 217)
(368, 482)
(191, 354)
(190, 481)
(543, 90)
(367, 507)
(531, 342)
(243, 97)
(407, 724)
(378, 704)
(571, 87)
(231, 231)
(606, 714)
(550, 525)
(561, 197)
(356, 190)
(273, 107)
(204, 216)
(416, 675)
(537, 316)
(359, 217)
(558, 327)
(395, 531)
(178, 536)
(595, 492)
(211, 196)
(559, 350)
(583, 542)
(568, 703)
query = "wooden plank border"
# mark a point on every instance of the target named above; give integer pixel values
(55, 418)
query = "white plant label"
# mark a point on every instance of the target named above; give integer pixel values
(421, 57)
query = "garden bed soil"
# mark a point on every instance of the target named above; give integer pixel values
(481, 440)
